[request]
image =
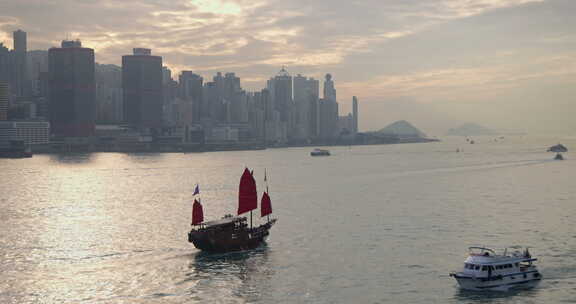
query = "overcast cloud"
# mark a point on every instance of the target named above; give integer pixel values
(502, 63)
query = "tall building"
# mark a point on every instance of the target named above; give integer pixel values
(354, 114)
(329, 90)
(281, 88)
(190, 87)
(306, 91)
(37, 63)
(5, 63)
(328, 111)
(3, 100)
(72, 109)
(109, 94)
(20, 80)
(142, 85)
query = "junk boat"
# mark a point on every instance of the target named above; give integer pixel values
(486, 270)
(559, 156)
(320, 152)
(233, 233)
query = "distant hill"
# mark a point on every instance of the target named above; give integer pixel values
(470, 129)
(404, 129)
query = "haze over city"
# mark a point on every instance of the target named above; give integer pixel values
(504, 63)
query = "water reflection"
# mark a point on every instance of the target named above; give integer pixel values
(144, 157)
(470, 296)
(245, 275)
(72, 158)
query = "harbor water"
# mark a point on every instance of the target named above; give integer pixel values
(368, 224)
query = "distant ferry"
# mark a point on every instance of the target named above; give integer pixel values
(486, 270)
(232, 233)
(320, 152)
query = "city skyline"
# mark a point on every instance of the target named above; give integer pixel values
(434, 62)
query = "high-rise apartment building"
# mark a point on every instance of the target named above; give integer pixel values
(142, 86)
(72, 109)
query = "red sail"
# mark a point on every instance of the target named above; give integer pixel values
(265, 205)
(247, 196)
(197, 213)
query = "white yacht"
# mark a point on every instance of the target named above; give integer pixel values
(484, 269)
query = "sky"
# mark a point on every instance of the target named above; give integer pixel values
(505, 64)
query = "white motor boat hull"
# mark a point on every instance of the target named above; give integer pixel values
(505, 283)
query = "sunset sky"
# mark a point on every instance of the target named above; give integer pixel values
(506, 64)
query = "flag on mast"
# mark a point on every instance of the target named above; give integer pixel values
(196, 190)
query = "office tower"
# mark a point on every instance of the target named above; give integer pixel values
(354, 114)
(72, 109)
(109, 94)
(281, 88)
(3, 100)
(306, 92)
(190, 87)
(20, 80)
(328, 119)
(37, 62)
(5, 64)
(142, 86)
(329, 90)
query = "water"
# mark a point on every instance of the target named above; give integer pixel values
(371, 224)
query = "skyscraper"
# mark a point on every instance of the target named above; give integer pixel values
(329, 90)
(306, 92)
(190, 90)
(20, 82)
(354, 114)
(281, 88)
(3, 100)
(328, 111)
(5, 63)
(142, 86)
(72, 89)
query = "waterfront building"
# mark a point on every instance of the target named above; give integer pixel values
(142, 86)
(31, 132)
(72, 105)
(3, 100)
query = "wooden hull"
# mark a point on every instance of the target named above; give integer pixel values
(227, 240)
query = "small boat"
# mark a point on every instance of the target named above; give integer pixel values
(233, 233)
(320, 152)
(486, 270)
(559, 156)
(557, 148)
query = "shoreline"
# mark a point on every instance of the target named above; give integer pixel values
(197, 148)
